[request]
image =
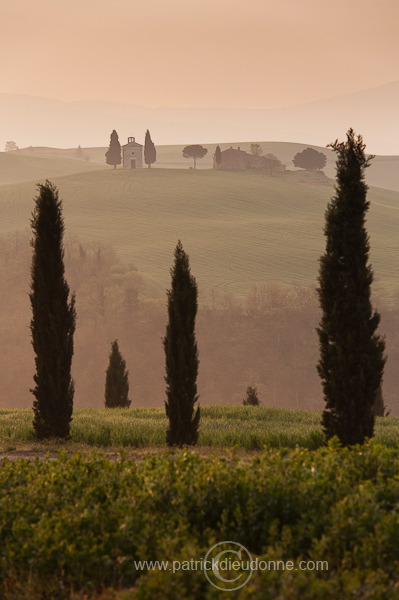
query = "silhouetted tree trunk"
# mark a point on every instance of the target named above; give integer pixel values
(352, 354)
(181, 354)
(116, 380)
(53, 319)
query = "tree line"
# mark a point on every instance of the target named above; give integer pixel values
(53, 325)
(309, 159)
(352, 355)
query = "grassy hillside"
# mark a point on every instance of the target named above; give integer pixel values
(16, 167)
(240, 229)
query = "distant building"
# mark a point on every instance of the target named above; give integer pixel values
(237, 160)
(132, 154)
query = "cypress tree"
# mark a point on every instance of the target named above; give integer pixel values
(53, 319)
(113, 155)
(252, 398)
(218, 156)
(351, 352)
(116, 380)
(181, 354)
(150, 153)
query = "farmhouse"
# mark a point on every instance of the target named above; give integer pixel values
(237, 160)
(132, 154)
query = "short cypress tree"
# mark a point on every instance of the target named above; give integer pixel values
(181, 354)
(252, 398)
(150, 153)
(218, 156)
(113, 155)
(116, 380)
(53, 319)
(351, 352)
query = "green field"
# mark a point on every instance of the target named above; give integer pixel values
(244, 427)
(239, 229)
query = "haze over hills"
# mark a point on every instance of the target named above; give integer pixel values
(30, 120)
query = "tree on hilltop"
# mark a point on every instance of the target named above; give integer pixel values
(113, 155)
(352, 357)
(256, 150)
(194, 151)
(150, 153)
(116, 380)
(10, 147)
(181, 355)
(53, 319)
(310, 159)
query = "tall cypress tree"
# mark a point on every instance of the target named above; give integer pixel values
(116, 380)
(113, 155)
(53, 319)
(150, 153)
(351, 352)
(181, 354)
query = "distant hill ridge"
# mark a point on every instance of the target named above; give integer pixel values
(30, 120)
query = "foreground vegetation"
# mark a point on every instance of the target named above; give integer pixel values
(246, 427)
(79, 523)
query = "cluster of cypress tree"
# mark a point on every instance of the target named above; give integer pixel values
(53, 326)
(351, 351)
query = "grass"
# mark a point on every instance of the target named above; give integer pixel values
(240, 229)
(237, 427)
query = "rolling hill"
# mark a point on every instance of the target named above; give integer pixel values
(19, 166)
(36, 163)
(240, 229)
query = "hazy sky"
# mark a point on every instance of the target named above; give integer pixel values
(233, 53)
